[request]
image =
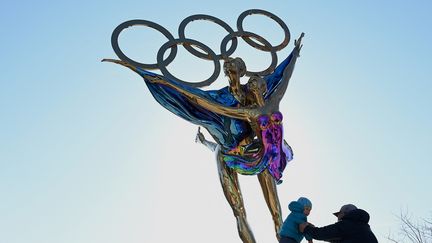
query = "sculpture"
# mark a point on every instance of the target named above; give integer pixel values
(244, 120)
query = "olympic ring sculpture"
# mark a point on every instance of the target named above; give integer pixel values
(116, 33)
(270, 15)
(243, 120)
(209, 54)
(224, 25)
(190, 42)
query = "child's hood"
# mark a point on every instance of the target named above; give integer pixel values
(295, 206)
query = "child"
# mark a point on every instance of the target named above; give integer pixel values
(289, 232)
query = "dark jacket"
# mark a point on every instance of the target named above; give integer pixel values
(353, 228)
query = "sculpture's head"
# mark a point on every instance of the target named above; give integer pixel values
(234, 66)
(256, 85)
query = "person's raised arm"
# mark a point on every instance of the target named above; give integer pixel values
(279, 91)
(327, 233)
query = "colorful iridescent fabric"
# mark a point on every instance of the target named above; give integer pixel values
(273, 153)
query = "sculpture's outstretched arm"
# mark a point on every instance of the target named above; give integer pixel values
(150, 75)
(200, 138)
(234, 112)
(279, 91)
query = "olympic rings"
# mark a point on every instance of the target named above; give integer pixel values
(270, 15)
(211, 55)
(130, 23)
(248, 35)
(215, 20)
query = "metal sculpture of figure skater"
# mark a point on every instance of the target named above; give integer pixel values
(244, 120)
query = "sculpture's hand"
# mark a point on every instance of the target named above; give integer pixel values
(199, 137)
(120, 62)
(297, 43)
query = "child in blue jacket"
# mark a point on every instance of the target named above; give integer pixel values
(289, 232)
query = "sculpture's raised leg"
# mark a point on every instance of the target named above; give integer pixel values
(268, 186)
(231, 189)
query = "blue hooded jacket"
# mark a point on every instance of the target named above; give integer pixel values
(290, 227)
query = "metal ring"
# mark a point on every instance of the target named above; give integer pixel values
(215, 20)
(270, 15)
(162, 64)
(130, 23)
(246, 34)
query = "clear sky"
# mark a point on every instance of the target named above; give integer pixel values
(87, 155)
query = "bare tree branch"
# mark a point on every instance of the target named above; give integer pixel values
(415, 231)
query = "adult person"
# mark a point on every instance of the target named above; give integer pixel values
(352, 227)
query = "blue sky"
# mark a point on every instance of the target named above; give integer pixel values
(87, 155)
